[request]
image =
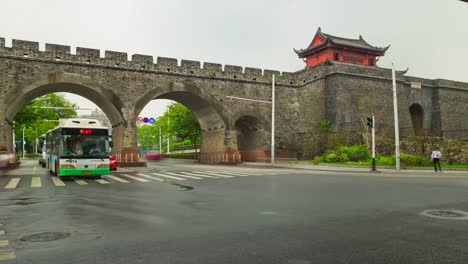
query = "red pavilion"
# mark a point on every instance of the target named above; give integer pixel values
(327, 47)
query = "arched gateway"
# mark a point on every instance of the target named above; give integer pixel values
(328, 89)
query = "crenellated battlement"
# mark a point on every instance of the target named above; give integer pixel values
(63, 54)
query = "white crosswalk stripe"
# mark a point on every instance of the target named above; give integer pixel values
(7, 255)
(213, 174)
(101, 181)
(198, 175)
(186, 176)
(13, 183)
(58, 182)
(247, 173)
(81, 182)
(135, 178)
(167, 176)
(36, 182)
(115, 178)
(3, 243)
(150, 177)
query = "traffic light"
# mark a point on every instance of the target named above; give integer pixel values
(370, 122)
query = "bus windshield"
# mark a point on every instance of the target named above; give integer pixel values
(84, 146)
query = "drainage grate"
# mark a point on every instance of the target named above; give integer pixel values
(45, 237)
(446, 214)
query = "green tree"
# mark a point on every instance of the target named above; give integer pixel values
(37, 118)
(183, 124)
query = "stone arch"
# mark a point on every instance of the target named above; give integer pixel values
(110, 104)
(252, 138)
(417, 117)
(218, 141)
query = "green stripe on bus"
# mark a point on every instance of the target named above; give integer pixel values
(84, 172)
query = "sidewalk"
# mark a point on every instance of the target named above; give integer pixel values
(352, 169)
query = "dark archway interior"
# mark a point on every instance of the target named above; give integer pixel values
(247, 130)
(417, 116)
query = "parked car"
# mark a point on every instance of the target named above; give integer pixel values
(153, 155)
(113, 163)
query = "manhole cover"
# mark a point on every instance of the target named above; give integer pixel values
(45, 237)
(446, 214)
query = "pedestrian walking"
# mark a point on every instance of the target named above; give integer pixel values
(436, 159)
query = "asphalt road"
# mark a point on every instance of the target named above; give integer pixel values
(255, 216)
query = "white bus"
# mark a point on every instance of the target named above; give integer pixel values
(78, 147)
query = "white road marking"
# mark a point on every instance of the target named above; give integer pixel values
(213, 174)
(36, 182)
(101, 181)
(135, 178)
(150, 177)
(190, 177)
(167, 176)
(3, 243)
(2, 232)
(117, 179)
(7, 255)
(198, 175)
(13, 183)
(245, 173)
(81, 182)
(58, 182)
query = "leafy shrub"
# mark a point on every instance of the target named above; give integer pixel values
(414, 160)
(385, 160)
(332, 157)
(31, 155)
(355, 153)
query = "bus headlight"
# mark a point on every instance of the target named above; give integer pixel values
(103, 166)
(67, 166)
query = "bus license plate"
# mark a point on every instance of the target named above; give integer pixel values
(86, 172)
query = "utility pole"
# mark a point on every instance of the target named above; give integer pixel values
(397, 130)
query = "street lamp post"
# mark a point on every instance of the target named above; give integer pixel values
(23, 141)
(273, 119)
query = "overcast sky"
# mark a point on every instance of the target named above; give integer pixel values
(428, 36)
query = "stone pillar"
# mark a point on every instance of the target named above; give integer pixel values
(6, 137)
(219, 146)
(125, 142)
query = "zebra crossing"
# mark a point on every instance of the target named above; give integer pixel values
(137, 177)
